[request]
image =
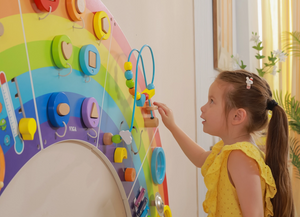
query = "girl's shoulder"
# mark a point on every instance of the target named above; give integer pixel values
(241, 152)
(219, 158)
(247, 148)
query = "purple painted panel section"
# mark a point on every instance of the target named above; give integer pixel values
(86, 110)
(76, 130)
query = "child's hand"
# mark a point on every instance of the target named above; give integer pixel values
(166, 115)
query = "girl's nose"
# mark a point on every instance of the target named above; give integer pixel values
(202, 109)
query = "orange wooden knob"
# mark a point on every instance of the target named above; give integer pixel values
(130, 174)
(131, 91)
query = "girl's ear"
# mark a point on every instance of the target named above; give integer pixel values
(240, 116)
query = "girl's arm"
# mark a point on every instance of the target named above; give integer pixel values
(196, 154)
(245, 176)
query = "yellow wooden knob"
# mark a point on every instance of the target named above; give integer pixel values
(120, 154)
(27, 128)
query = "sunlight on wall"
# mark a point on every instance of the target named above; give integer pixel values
(260, 32)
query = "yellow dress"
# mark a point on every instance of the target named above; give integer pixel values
(221, 197)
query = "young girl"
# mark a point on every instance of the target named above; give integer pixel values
(240, 179)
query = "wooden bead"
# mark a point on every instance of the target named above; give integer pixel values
(107, 138)
(141, 101)
(138, 96)
(150, 86)
(151, 92)
(130, 83)
(128, 66)
(146, 95)
(131, 91)
(128, 75)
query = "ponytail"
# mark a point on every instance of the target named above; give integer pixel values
(277, 149)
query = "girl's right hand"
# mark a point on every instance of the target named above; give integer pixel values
(166, 115)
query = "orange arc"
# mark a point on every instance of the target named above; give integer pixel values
(72, 11)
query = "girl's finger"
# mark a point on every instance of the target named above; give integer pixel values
(163, 106)
(161, 112)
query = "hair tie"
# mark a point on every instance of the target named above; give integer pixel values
(271, 104)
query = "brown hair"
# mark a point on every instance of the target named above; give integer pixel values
(254, 101)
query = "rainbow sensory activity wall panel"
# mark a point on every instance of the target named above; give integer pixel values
(76, 110)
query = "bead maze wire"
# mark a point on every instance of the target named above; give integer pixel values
(145, 78)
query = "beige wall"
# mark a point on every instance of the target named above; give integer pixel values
(168, 27)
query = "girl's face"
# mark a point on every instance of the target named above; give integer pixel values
(213, 112)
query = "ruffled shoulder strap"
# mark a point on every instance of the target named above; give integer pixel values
(211, 157)
(211, 176)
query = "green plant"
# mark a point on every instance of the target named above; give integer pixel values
(291, 43)
(268, 67)
(295, 155)
(292, 108)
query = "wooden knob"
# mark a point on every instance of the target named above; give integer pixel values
(130, 174)
(1, 29)
(94, 112)
(63, 109)
(107, 138)
(151, 108)
(151, 122)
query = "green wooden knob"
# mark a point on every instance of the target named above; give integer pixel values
(116, 139)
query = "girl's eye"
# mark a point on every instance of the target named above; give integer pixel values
(211, 101)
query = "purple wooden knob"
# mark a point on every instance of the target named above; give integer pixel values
(90, 112)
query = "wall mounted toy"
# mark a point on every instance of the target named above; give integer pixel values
(139, 98)
(148, 92)
(62, 89)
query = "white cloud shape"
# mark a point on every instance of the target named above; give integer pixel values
(126, 136)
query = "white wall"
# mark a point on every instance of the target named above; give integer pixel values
(205, 75)
(168, 27)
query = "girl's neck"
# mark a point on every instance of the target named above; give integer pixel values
(241, 138)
